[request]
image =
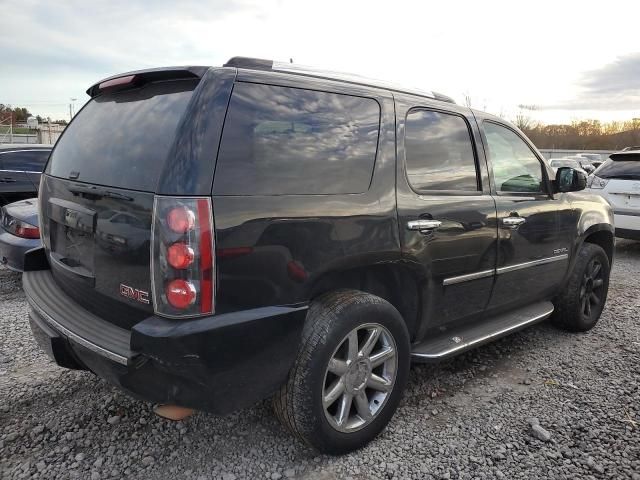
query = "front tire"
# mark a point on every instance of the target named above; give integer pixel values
(579, 306)
(351, 370)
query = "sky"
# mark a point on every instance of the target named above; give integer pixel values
(571, 60)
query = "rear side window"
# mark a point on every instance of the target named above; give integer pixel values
(439, 153)
(123, 138)
(622, 169)
(25, 160)
(280, 140)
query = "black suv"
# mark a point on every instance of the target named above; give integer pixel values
(216, 236)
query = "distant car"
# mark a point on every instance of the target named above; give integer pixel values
(19, 232)
(618, 180)
(584, 162)
(20, 169)
(566, 162)
(628, 149)
(592, 157)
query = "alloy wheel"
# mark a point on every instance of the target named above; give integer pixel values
(592, 288)
(359, 378)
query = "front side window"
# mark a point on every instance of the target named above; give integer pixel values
(439, 153)
(292, 141)
(516, 169)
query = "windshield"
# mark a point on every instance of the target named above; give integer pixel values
(122, 139)
(629, 169)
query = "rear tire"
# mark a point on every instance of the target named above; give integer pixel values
(579, 306)
(339, 397)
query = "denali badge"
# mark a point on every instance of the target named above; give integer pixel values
(133, 293)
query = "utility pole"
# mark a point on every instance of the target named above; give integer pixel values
(72, 110)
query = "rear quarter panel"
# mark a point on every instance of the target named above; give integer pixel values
(272, 249)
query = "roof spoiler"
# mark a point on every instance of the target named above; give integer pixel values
(139, 77)
(633, 155)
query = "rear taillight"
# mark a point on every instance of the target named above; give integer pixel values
(120, 82)
(182, 267)
(18, 227)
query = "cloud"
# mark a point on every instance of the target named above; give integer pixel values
(615, 86)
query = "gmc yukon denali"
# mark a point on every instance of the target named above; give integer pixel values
(216, 236)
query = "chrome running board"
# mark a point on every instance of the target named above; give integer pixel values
(455, 341)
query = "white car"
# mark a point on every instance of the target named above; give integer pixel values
(618, 180)
(556, 163)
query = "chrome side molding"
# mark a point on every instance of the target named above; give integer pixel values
(499, 271)
(468, 277)
(534, 263)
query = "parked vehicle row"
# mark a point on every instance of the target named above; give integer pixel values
(576, 161)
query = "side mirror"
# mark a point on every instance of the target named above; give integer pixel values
(570, 180)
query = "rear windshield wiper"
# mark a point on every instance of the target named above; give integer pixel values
(99, 192)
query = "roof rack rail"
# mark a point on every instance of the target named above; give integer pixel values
(270, 65)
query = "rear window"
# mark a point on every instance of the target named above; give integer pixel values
(24, 160)
(123, 138)
(623, 169)
(280, 140)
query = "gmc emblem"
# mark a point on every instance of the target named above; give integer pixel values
(134, 294)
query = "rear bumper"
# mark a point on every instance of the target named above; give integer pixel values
(217, 364)
(627, 225)
(12, 249)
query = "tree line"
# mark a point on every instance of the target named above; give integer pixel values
(20, 114)
(583, 134)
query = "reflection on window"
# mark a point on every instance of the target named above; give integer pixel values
(439, 152)
(280, 140)
(123, 138)
(515, 167)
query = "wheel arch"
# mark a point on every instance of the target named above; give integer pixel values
(602, 235)
(395, 282)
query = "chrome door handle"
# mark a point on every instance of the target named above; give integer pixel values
(423, 224)
(513, 221)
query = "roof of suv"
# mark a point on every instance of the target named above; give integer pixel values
(249, 63)
(271, 65)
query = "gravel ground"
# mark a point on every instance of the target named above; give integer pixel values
(470, 417)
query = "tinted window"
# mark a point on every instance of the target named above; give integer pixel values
(439, 152)
(123, 138)
(26, 160)
(629, 169)
(515, 166)
(279, 140)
